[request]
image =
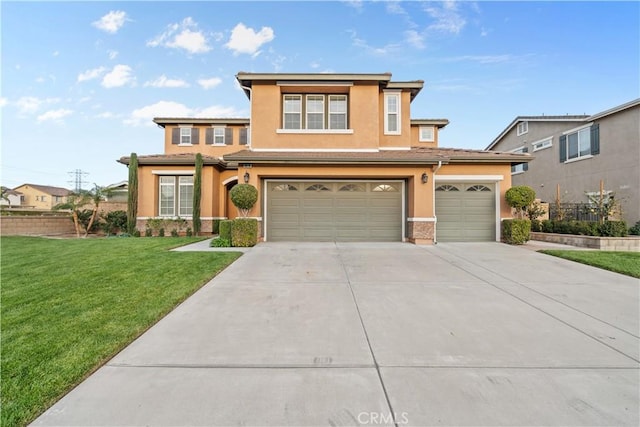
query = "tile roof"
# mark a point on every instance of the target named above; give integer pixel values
(171, 159)
(53, 191)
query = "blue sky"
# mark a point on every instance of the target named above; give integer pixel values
(81, 81)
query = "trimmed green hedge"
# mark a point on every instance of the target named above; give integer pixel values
(244, 232)
(219, 242)
(225, 230)
(516, 231)
(582, 228)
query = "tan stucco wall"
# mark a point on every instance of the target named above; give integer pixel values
(204, 149)
(30, 194)
(415, 137)
(404, 139)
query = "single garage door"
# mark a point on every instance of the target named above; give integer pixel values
(466, 212)
(334, 211)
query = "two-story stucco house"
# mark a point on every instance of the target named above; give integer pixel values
(42, 196)
(575, 153)
(335, 157)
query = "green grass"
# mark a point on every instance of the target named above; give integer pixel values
(68, 306)
(627, 263)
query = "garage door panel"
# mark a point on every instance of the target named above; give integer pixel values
(465, 214)
(347, 211)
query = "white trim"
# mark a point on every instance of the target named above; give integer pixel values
(185, 145)
(228, 180)
(433, 130)
(498, 223)
(469, 178)
(173, 172)
(421, 219)
(525, 124)
(185, 126)
(577, 159)
(284, 110)
(579, 128)
(387, 95)
(307, 112)
(220, 126)
(329, 113)
(517, 172)
(518, 149)
(316, 150)
(317, 131)
(540, 141)
(394, 148)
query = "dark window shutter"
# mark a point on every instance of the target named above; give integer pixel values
(525, 166)
(595, 139)
(228, 136)
(175, 136)
(243, 136)
(195, 135)
(563, 148)
(208, 137)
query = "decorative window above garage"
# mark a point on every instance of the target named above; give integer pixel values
(285, 187)
(314, 112)
(478, 188)
(386, 187)
(352, 187)
(447, 187)
(318, 187)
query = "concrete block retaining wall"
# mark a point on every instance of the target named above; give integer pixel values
(36, 226)
(627, 244)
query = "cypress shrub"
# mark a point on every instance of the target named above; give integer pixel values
(516, 231)
(197, 194)
(132, 194)
(244, 232)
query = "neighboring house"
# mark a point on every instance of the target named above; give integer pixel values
(13, 198)
(118, 192)
(42, 196)
(335, 157)
(576, 153)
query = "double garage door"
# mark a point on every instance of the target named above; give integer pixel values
(466, 212)
(334, 211)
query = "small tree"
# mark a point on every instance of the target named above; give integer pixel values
(132, 196)
(96, 195)
(75, 202)
(244, 196)
(197, 194)
(4, 195)
(519, 198)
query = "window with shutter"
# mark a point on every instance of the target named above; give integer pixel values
(580, 143)
(242, 137)
(228, 136)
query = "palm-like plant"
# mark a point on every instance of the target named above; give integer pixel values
(75, 202)
(4, 195)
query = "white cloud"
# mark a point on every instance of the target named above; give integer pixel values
(94, 73)
(144, 116)
(112, 54)
(385, 50)
(56, 53)
(184, 35)
(446, 16)
(209, 83)
(111, 22)
(247, 40)
(484, 59)
(40, 79)
(119, 76)
(105, 115)
(163, 81)
(356, 4)
(3, 101)
(54, 115)
(31, 104)
(415, 39)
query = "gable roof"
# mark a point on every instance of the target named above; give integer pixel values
(10, 192)
(566, 118)
(53, 191)
(172, 159)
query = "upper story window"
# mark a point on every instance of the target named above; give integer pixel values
(292, 107)
(185, 135)
(392, 113)
(244, 136)
(218, 136)
(523, 127)
(542, 144)
(427, 134)
(522, 167)
(580, 143)
(317, 112)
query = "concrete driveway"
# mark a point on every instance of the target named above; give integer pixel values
(381, 334)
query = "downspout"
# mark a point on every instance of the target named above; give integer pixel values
(435, 225)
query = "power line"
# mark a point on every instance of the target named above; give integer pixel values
(77, 181)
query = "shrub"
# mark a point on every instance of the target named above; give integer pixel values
(244, 232)
(516, 231)
(520, 197)
(219, 242)
(613, 229)
(161, 232)
(547, 226)
(114, 222)
(244, 196)
(136, 233)
(174, 233)
(635, 230)
(148, 232)
(225, 230)
(216, 226)
(536, 225)
(189, 232)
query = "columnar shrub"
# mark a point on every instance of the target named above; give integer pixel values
(244, 232)
(132, 196)
(516, 231)
(197, 194)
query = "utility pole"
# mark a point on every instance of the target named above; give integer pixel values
(77, 181)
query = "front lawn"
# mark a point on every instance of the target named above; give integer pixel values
(68, 306)
(621, 262)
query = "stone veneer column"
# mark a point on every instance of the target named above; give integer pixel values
(420, 232)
